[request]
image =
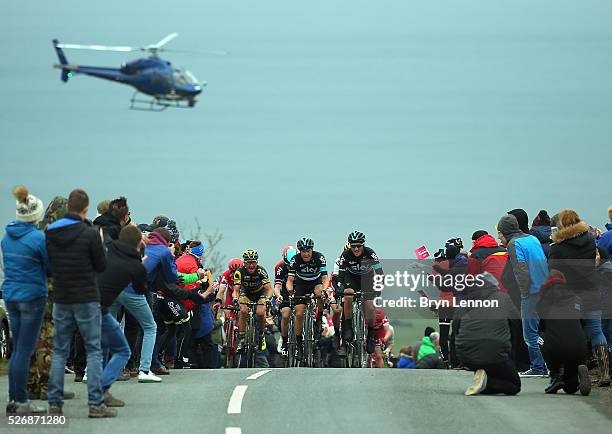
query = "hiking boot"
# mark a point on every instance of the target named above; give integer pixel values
(97, 411)
(125, 376)
(584, 381)
(603, 364)
(479, 383)
(348, 334)
(78, 377)
(55, 410)
(29, 408)
(148, 377)
(111, 401)
(556, 383)
(11, 408)
(370, 343)
(161, 371)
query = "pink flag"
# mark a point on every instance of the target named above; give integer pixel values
(422, 253)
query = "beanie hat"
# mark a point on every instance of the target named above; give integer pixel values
(521, 218)
(30, 209)
(198, 250)
(508, 226)
(428, 331)
(478, 234)
(542, 219)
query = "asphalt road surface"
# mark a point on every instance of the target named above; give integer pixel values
(305, 401)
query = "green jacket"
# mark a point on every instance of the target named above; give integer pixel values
(427, 348)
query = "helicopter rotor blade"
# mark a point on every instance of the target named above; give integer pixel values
(98, 47)
(213, 52)
(164, 41)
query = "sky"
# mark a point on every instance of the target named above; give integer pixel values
(411, 121)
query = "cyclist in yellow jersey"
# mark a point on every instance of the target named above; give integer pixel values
(251, 284)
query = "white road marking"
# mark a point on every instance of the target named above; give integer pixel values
(235, 402)
(233, 430)
(256, 375)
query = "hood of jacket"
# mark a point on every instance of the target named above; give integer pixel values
(125, 249)
(542, 233)
(106, 220)
(18, 229)
(64, 231)
(156, 239)
(572, 235)
(484, 241)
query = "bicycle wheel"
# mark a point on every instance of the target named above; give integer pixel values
(359, 339)
(290, 360)
(230, 342)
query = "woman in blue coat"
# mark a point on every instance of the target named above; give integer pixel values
(26, 268)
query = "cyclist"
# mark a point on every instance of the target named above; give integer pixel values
(251, 284)
(281, 272)
(334, 298)
(383, 335)
(356, 273)
(227, 281)
(307, 275)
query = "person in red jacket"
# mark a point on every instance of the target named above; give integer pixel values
(487, 255)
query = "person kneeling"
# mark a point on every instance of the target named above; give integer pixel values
(483, 340)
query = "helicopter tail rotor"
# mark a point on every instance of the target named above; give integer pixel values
(66, 72)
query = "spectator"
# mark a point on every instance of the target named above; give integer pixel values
(406, 359)
(527, 266)
(418, 343)
(483, 340)
(117, 216)
(604, 269)
(605, 240)
(159, 259)
(76, 254)
(428, 357)
(487, 255)
(565, 345)
(541, 229)
(124, 267)
(573, 254)
(457, 265)
(103, 206)
(521, 218)
(24, 289)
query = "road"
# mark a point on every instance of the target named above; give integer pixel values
(351, 401)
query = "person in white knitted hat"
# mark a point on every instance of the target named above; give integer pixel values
(26, 268)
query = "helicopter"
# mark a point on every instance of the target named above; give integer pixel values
(167, 85)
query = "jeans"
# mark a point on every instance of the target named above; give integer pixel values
(531, 331)
(67, 318)
(115, 344)
(137, 305)
(592, 327)
(26, 319)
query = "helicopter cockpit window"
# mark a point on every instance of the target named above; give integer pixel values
(128, 68)
(183, 78)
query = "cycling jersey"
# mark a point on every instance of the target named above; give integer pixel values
(281, 272)
(311, 270)
(251, 283)
(227, 278)
(359, 265)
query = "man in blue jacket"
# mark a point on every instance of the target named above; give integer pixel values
(528, 265)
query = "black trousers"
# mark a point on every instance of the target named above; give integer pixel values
(502, 378)
(520, 353)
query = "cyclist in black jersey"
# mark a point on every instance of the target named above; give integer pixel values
(251, 284)
(307, 275)
(356, 273)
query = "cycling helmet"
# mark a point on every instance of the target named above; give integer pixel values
(305, 243)
(454, 242)
(284, 251)
(356, 237)
(250, 255)
(234, 264)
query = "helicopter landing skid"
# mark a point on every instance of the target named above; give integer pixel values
(157, 104)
